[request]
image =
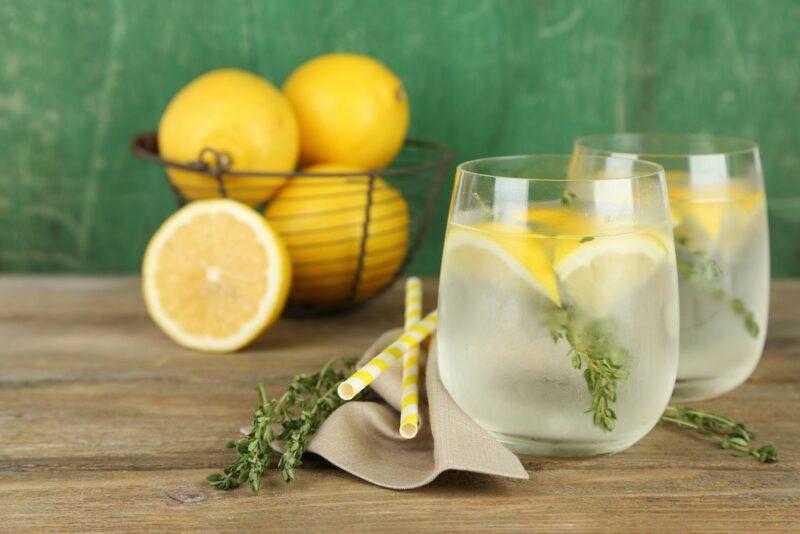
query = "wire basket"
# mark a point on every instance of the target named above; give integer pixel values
(350, 234)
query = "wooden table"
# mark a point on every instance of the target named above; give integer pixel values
(106, 424)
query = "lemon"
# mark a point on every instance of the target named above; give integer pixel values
(322, 220)
(519, 251)
(240, 115)
(558, 220)
(215, 275)
(716, 218)
(351, 109)
(603, 271)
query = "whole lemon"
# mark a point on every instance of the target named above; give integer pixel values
(240, 115)
(351, 109)
(321, 221)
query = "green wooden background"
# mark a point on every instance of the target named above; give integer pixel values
(79, 78)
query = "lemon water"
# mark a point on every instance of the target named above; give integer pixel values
(498, 288)
(718, 350)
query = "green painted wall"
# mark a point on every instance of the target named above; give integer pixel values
(79, 78)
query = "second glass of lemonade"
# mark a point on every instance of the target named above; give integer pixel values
(719, 214)
(558, 301)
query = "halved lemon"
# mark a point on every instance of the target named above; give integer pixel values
(599, 273)
(517, 250)
(215, 276)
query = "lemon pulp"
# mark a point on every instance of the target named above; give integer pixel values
(215, 276)
(599, 273)
(514, 248)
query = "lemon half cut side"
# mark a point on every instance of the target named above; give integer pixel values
(215, 276)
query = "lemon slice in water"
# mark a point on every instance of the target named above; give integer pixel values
(716, 219)
(599, 273)
(517, 250)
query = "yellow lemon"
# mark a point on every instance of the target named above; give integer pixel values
(498, 250)
(718, 217)
(553, 220)
(598, 273)
(322, 222)
(215, 275)
(351, 109)
(239, 115)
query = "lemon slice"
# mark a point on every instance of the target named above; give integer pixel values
(702, 221)
(513, 247)
(215, 276)
(599, 273)
(719, 218)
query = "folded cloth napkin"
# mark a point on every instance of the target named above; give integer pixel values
(362, 437)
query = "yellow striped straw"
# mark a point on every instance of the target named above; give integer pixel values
(412, 337)
(409, 401)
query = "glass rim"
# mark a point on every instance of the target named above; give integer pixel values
(739, 145)
(654, 170)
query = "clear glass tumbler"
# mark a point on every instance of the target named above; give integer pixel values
(558, 301)
(719, 214)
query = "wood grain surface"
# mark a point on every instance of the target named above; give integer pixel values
(107, 425)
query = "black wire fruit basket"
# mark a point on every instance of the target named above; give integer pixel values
(350, 233)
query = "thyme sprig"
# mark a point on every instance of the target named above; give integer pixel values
(703, 272)
(593, 348)
(727, 433)
(291, 419)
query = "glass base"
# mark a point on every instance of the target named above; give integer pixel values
(697, 389)
(536, 447)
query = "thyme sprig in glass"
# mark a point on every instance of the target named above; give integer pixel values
(593, 345)
(703, 272)
(593, 348)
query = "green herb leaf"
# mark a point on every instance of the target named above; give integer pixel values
(594, 345)
(292, 418)
(727, 433)
(700, 269)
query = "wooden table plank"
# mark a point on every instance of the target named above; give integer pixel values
(105, 422)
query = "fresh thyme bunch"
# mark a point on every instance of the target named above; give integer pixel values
(724, 431)
(700, 269)
(292, 419)
(593, 345)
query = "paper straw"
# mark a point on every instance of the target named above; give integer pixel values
(409, 401)
(410, 338)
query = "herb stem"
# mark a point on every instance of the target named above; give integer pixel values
(703, 272)
(594, 346)
(291, 419)
(721, 430)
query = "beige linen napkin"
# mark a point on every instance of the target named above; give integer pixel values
(362, 437)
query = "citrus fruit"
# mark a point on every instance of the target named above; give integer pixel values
(322, 219)
(496, 250)
(215, 275)
(351, 109)
(239, 115)
(602, 271)
(556, 220)
(716, 218)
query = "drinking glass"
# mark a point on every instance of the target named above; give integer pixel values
(558, 309)
(718, 211)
